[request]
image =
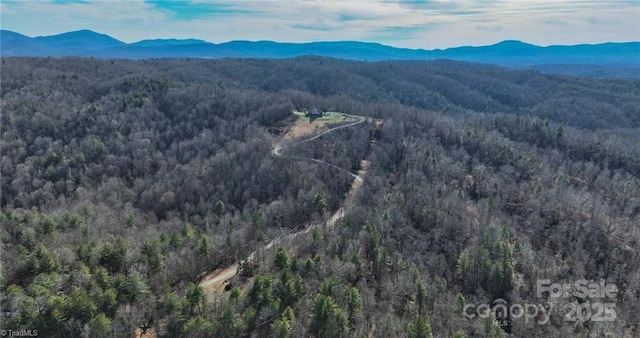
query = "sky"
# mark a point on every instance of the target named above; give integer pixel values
(427, 24)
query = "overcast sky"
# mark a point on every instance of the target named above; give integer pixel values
(404, 23)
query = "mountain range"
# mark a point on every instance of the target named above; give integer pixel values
(623, 56)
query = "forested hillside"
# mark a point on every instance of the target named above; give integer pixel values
(123, 182)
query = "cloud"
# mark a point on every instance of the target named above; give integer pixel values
(555, 22)
(69, 15)
(490, 28)
(70, 1)
(189, 10)
(315, 26)
(404, 23)
(402, 32)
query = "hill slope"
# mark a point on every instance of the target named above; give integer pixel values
(124, 182)
(506, 53)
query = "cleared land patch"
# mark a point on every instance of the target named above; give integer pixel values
(305, 125)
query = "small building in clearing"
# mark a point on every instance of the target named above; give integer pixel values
(315, 112)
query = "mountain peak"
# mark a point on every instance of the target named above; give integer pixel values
(12, 34)
(84, 40)
(168, 42)
(515, 44)
(83, 33)
(512, 43)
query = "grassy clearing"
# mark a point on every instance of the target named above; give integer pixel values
(305, 125)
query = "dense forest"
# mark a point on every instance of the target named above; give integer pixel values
(123, 182)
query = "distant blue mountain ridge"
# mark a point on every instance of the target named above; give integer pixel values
(623, 56)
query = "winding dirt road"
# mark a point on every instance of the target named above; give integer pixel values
(218, 279)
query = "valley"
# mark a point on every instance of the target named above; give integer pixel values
(207, 198)
(217, 280)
